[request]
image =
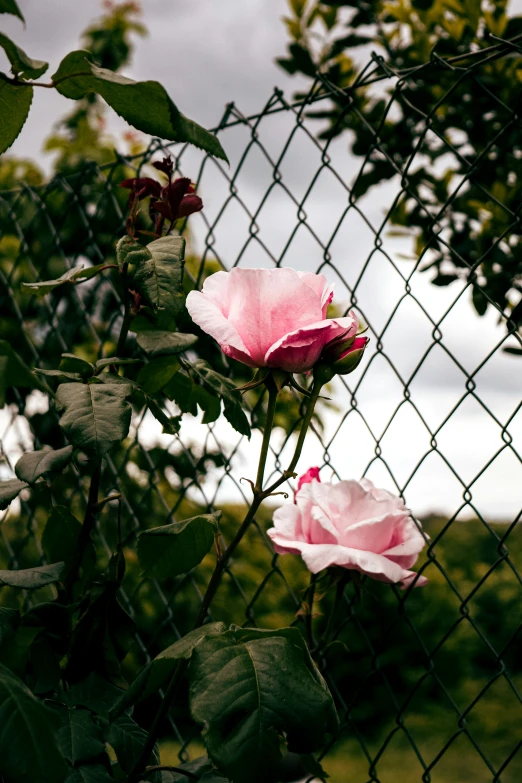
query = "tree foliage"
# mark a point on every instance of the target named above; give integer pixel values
(461, 203)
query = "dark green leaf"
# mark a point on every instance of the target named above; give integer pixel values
(170, 423)
(159, 343)
(60, 537)
(157, 373)
(21, 64)
(101, 363)
(9, 621)
(95, 415)
(480, 302)
(90, 773)
(225, 389)
(16, 102)
(202, 768)
(209, 402)
(145, 105)
(102, 636)
(44, 666)
(29, 748)
(443, 280)
(180, 390)
(13, 371)
(129, 251)
(32, 466)
(128, 739)
(176, 548)
(16, 650)
(95, 693)
(74, 364)
(32, 578)
(9, 490)
(160, 278)
(80, 737)
(188, 395)
(63, 376)
(510, 349)
(11, 7)
(76, 275)
(156, 673)
(247, 687)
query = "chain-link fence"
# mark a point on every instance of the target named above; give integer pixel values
(427, 682)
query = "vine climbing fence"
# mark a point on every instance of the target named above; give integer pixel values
(427, 682)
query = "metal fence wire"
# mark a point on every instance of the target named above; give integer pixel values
(427, 682)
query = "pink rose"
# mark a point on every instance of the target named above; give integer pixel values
(312, 474)
(350, 524)
(269, 317)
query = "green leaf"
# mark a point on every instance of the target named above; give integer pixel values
(247, 688)
(188, 395)
(510, 349)
(74, 364)
(45, 672)
(15, 102)
(21, 64)
(157, 373)
(158, 671)
(160, 343)
(102, 636)
(13, 371)
(63, 376)
(9, 490)
(480, 303)
(170, 424)
(90, 773)
(9, 621)
(129, 251)
(175, 549)
(160, 278)
(180, 390)
(101, 363)
(32, 578)
(32, 466)
(11, 7)
(202, 768)
(76, 275)
(95, 415)
(145, 105)
(443, 280)
(127, 739)
(29, 748)
(95, 693)
(80, 737)
(60, 537)
(16, 650)
(230, 396)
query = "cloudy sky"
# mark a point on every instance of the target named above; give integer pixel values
(209, 52)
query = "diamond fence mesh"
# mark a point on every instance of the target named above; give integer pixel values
(427, 682)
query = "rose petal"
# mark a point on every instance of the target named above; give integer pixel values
(265, 305)
(299, 350)
(209, 317)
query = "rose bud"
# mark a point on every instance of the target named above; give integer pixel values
(351, 357)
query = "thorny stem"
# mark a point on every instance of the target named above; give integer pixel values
(272, 401)
(87, 528)
(259, 496)
(127, 312)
